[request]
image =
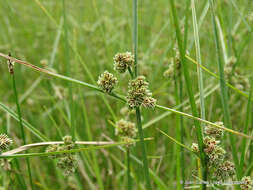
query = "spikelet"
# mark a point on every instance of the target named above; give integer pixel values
(122, 61)
(107, 82)
(5, 142)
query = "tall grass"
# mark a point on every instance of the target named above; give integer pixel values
(223, 89)
(79, 40)
(20, 122)
(190, 93)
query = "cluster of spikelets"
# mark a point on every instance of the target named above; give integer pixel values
(126, 130)
(123, 61)
(234, 76)
(215, 153)
(138, 92)
(66, 161)
(174, 67)
(107, 82)
(5, 142)
(247, 183)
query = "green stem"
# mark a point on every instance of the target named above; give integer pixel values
(223, 89)
(143, 148)
(68, 70)
(135, 35)
(178, 137)
(245, 130)
(190, 93)
(21, 127)
(138, 113)
(129, 181)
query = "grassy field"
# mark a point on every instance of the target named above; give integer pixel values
(195, 55)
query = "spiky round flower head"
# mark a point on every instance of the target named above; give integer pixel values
(107, 82)
(214, 131)
(210, 143)
(216, 157)
(67, 164)
(122, 61)
(138, 93)
(68, 142)
(125, 129)
(195, 147)
(149, 102)
(225, 170)
(247, 183)
(169, 73)
(5, 142)
(214, 152)
(53, 148)
(229, 65)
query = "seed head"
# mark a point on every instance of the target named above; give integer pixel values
(53, 148)
(195, 147)
(67, 164)
(138, 93)
(122, 61)
(5, 142)
(213, 131)
(214, 152)
(10, 65)
(247, 183)
(216, 157)
(68, 142)
(169, 73)
(225, 170)
(65, 161)
(125, 129)
(107, 81)
(149, 102)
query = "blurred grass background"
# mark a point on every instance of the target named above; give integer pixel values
(97, 30)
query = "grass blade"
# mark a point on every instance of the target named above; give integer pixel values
(190, 93)
(20, 121)
(223, 88)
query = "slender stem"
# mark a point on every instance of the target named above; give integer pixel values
(223, 89)
(72, 150)
(135, 35)
(21, 127)
(138, 113)
(190, 93)
(129, 181)
(198, 55)
(143, 148)
(68, 70)
(178, 137)
(245, 130)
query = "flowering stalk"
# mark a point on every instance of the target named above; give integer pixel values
(11, 70)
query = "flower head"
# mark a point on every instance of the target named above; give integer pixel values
(107, 81)
(139, 94)
(53, 148)
(68, 164)
(149, 102)
(65, 161)
(195, 147)
(122, 61)
(5, 142)
(225, 170)
(213, 131)
(125, 129)
(247, 183)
